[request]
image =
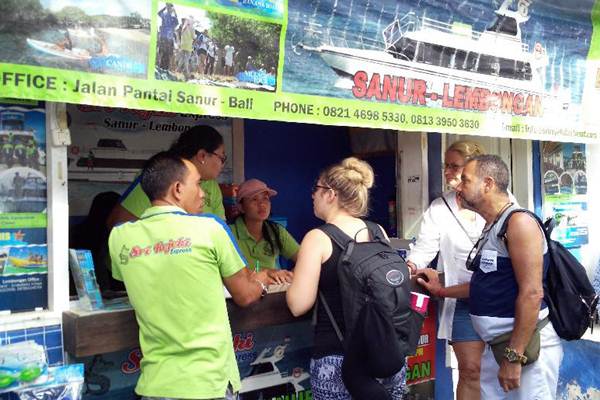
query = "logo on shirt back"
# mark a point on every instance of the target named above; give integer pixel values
(166, 247)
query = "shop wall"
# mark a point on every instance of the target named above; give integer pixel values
(289, 157)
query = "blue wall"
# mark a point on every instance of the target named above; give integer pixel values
(288, 157)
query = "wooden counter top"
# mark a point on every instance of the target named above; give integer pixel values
(88, 333)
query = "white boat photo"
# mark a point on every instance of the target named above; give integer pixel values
(265, 380)
(108, 161)
(419, 47)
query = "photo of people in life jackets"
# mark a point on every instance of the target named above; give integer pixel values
(209, 48)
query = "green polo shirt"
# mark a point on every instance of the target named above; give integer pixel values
(261, 251)
(135, 200)
(172, 264)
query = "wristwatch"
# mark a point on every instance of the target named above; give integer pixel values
(514, 357)
(263, 287)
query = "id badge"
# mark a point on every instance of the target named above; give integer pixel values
(489, 261)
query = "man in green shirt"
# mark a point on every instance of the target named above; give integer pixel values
(203, 146)
(174, 264)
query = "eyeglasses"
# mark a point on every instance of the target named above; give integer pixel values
(222, 158)
(314, 189)
(453, 167)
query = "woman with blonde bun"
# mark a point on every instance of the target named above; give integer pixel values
(341, 198)
(450, 230)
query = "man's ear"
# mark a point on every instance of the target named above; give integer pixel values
(488, 183)
(176, 190)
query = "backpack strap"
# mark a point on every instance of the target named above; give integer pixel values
(543, 226)
(376, 232)
(336, 235)
(336, 327)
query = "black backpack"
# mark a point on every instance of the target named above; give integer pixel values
(570, 296)
(381, 328)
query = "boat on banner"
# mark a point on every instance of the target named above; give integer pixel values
(109, 161)
(441, 53)
(266, 381)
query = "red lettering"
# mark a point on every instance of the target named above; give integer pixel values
(243, 344)
(136, 251)
(471, 98)
(132, 364)
(390, 86)
(404, 90)
(484, 94)
(374, 88)
(518, 104)
(459, 96)
(360, 84)
(506, 102)
(419, 90)
(446, 99)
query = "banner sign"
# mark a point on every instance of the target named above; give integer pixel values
(565, 191)
(109, 147)
(23, 250)
(507, 68)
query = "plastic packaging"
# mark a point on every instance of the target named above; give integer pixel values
(64, 383)
(22, 364)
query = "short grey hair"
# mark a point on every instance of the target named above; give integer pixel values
(491, 165)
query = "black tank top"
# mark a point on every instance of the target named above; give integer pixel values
(326, 341)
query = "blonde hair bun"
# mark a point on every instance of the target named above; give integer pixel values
(359, 172)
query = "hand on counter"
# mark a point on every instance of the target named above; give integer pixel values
(275, 276)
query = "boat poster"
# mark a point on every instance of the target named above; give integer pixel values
(506, 68)
(23, 252)
(565, 191)
(109, 147)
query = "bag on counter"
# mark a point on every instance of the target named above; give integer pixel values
(570, 296)
(532, 351)
(381, 328)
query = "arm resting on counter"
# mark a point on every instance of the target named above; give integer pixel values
(245, 286)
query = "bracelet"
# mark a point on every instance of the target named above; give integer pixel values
(439, 293)
(263, 287)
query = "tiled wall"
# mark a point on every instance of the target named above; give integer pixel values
(48, 336)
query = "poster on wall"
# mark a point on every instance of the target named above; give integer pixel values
(565, 191)
(109, 147)
(23, 250)
(507, 68)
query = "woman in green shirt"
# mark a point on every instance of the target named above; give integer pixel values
(203, 146)
(261, 241)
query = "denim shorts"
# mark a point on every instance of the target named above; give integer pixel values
(462, 327)
(326, 380)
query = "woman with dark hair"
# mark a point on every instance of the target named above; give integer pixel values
(261, 241)
(92, 234)
(203, 146)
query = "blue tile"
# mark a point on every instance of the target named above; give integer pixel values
(34, 331)
(39, 338)
(16, 339)
(53, 328)
(55, 356)
(16, 332)
(54, 339)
